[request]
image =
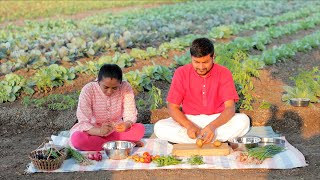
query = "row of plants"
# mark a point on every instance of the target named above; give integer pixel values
(140, 81)
(231, 54)
(149, 18)
(286, 51)
(261, 38)
(45, 48)
(182, 42)
(54, 75)
(55, 102)
(225, 31)
(15, 10)
(44, 80)
(238, 62)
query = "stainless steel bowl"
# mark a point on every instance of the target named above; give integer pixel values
(272, 141)
(244, 143)
(300, 102)
(117, 150)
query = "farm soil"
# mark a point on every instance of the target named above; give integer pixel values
(23, 129)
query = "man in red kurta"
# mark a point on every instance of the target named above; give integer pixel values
(201, 101)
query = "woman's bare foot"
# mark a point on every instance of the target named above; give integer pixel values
(139, 144)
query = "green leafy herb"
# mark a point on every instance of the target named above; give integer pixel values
(195, 160)
(262, 153)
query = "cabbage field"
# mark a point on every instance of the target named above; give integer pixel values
(271, 47)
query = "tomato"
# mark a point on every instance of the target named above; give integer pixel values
(147, 159)
(145, 154)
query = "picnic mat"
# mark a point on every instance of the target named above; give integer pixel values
(291, 158)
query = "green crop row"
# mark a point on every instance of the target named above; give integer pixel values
(42, 44)
(15, 10)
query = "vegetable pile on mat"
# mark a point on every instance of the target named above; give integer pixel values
(259, 154)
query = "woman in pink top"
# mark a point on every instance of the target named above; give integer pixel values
(106, 112)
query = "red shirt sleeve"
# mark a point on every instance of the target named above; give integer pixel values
(177, 92)
(228, 90)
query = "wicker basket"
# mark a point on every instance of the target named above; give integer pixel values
(47, 164)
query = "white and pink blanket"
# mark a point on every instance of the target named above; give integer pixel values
(291, 158)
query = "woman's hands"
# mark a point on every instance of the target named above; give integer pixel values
(108, 128)
(104, 130)
(123, 126)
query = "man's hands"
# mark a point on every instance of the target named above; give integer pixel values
(207, 132)
(193, 131)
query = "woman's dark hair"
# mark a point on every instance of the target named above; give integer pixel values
(110, 71)
(201, 47)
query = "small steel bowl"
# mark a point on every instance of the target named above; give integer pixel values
(244, 143)
(300, 102)
(117, 150)
(272, 141)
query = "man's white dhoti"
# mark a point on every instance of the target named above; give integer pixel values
(170, 130)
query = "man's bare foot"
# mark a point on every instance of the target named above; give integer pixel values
(139, 144)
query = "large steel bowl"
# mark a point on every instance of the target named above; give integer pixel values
(117, 150)
(244, 143)
(272, 141)
(300, 102)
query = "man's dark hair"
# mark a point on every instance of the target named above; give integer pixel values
(201, 47)
(110, 71)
